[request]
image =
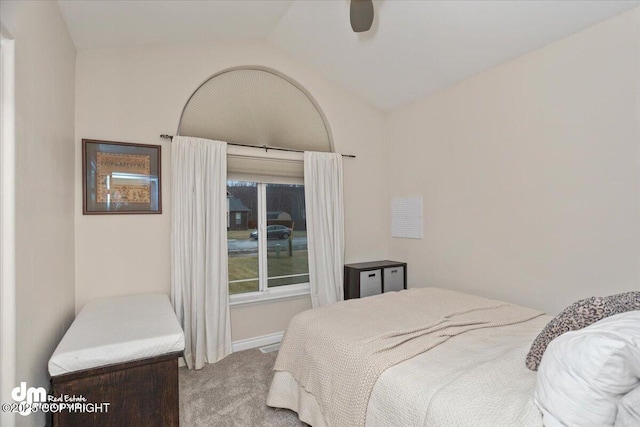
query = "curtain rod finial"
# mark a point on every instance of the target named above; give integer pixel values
(165, 136)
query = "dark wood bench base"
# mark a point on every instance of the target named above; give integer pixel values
(140, 393)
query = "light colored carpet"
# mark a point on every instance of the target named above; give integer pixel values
(232, 392)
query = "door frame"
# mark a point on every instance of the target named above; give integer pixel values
(7, 225)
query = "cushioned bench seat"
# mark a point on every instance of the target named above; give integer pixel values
(123, 351)
(115, 330)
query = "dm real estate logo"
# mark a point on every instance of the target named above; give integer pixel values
(28, 398)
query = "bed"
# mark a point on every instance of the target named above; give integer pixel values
(119, 360)
(421, 357)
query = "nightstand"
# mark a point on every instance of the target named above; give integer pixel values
(364, 279)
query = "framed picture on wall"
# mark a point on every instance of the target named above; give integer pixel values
(120, 178)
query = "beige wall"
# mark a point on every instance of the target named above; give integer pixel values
(135, 95)
(259, 319)
(530, 173)
(45, 78)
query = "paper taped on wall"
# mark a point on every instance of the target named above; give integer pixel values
(406, 217)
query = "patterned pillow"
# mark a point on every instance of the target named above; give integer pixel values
(577, 316)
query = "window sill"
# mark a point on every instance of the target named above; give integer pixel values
(274, 294)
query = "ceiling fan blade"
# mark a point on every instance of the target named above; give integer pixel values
(361, 13)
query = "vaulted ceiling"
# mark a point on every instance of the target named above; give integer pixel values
(414, 47)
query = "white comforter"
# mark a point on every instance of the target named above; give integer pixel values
(476, 379)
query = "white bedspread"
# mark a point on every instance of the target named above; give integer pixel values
(477, 379)
(117, 330)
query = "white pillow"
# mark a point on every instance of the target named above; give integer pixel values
(629, 410)
(584, 374)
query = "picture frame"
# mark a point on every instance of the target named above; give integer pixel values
(121, 178)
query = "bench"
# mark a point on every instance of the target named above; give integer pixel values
(120, 357)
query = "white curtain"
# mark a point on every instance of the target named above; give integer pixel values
(325, 226)
(199, 282)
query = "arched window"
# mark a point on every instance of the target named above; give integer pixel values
(256, 106)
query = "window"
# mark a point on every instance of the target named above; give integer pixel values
(268, 247)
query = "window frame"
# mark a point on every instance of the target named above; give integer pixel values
(264, 292)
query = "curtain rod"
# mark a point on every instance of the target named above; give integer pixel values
(264, 147)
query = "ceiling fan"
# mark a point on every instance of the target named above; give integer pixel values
(361, 13)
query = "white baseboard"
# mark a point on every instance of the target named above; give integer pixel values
(248, 343)
(256, 342)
